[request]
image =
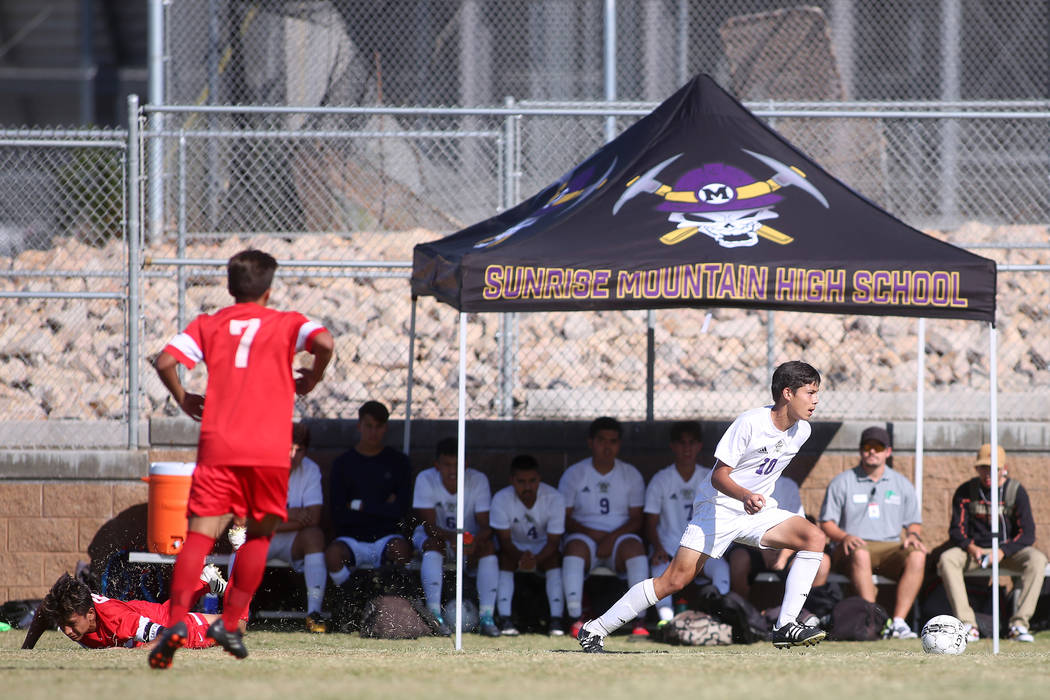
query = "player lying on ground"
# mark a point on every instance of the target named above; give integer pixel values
(96, 622)
(735, 504)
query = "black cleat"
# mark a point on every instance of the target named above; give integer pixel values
(591, 643)
(795, 635)
(170, 641)
(232, 642)
(556, 628)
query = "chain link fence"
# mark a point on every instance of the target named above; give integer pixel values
(63, 288)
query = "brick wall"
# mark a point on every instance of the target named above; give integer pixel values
(47, 526)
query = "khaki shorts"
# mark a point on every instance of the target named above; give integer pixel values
(887, 558)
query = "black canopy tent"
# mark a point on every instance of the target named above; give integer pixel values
(700, 204)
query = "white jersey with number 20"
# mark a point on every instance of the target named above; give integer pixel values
(758, 452)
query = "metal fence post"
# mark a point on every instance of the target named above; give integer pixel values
(133, 233)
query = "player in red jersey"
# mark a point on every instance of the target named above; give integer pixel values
(245, 438)
(97, 622)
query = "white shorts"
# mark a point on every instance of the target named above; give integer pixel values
(714, 527)
(368, 555)
(281, 548)
(609, 561)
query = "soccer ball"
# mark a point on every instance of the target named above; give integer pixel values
(943, 634)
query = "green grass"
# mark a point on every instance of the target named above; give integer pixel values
(298, 666)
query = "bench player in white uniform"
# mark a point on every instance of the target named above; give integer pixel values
(603, 499)
(736, 504)
(529, 519)
(434, 499)
(669, 507)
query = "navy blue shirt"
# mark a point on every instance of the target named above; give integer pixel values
(372, 480)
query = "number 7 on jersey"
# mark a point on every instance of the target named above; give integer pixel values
(246, 330)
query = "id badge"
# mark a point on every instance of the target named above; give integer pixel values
(873, 511)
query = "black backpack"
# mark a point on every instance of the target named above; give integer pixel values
(856, 620)
(749, 625)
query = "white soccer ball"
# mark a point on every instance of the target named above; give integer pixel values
(943, 634)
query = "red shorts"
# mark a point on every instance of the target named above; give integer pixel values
(197, 631)
(247, 492)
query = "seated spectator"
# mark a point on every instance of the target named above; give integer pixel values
(669, 508)
(603, 518)
(871, 514)
(96, 622)
(528, 517)
(368, 494)
(434, 499)
(747, 562)
(970, 534)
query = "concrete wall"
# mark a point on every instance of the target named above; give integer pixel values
(61, 507)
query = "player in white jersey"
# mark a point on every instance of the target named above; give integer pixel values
(434, 500)
(736, 504)
(529, 519)
(669, 508)
(603, 519)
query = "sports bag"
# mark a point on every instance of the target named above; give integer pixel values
(396, 617)
(696, 629)
(855, 619)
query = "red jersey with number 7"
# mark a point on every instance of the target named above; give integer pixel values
(250, 397)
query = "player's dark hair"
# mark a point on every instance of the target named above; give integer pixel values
(67, 597)
(679, 429)
(249, 274)
(301, 435)
(523, 462)
(792, 375)
(447, 446)
(604, 423)
(375, 409)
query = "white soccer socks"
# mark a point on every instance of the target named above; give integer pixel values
(506, 593)
(430, 576)
(315, 574)
(639, 598)
(572, 571)
(796, 587)
(488, 584)
(555, 592)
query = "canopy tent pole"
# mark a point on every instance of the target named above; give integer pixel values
(920, 409)
(993, 413)
(650, 364)
(406, 442)
(461, 436)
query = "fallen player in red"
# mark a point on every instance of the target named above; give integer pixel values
(97, 622)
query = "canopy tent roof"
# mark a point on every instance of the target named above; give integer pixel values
(700, 204)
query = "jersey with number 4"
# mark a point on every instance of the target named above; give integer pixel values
(671, 497)
(250, 396)
(431, 493)
(602, 501)
(758, 452)
(529, 527)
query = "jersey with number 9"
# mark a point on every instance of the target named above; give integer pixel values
(250, 396)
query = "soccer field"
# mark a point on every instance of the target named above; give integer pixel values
(299, 666)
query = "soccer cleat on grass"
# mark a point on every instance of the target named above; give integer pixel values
(795, 635)
(972, 633)
(443, 630)
(897, 630)
(170, 641)
(556, 628)
(213, 578)
(507, 628)
(232, 642)
(315, 623)
(590, 642)
(1020, 633)
(487, 627)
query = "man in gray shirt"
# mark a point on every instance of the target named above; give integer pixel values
(872, 516)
